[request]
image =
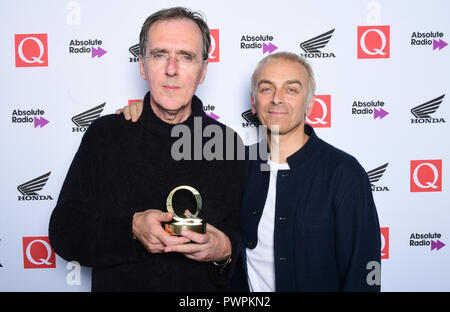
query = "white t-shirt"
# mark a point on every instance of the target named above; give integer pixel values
(260, 260)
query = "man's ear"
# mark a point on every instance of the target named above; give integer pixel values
(205, 67)
(310, 106)
(253, 104)
(142, 67)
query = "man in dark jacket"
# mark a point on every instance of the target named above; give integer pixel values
(310, 222)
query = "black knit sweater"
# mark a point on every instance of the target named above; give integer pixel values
(121, 168)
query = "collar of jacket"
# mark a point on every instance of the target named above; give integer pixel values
(300, 157)
(153, 123)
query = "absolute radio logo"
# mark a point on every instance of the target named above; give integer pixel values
(375, 176)
(84, 120)
(426, 239)
(87, 47)
(320, 116)
(31, 50)
(313, 46)
(258, 42)
(384, 231)
(214, 49)
(209, 111)
(428, 39)
(373, 42)
(423, 112)
(373, 108)
(29, 189)
(426, 175)
(37, 253)
(20, 116)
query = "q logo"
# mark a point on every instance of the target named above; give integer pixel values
(321, 112)
(214, 49)
(31, 50)
(37, 253)
(384, 231)
(426, 175)
(373, 42)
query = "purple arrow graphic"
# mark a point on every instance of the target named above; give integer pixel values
(439, 44)
(379, 113)
(98, 52)
(269, 47)
(213, 116)
(40, 121)
(436, 245)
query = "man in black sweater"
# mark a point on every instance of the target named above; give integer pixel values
(112, 205)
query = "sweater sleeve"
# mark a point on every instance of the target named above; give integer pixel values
(357, 229)
(79, 227)
(230, 224)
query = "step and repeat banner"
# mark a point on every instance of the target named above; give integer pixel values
(383, 78)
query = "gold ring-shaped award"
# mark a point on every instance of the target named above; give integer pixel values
(191, 222)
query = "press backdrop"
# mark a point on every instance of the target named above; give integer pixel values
(382, 71)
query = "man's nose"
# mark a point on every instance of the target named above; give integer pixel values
(171, 66)
(278, 97)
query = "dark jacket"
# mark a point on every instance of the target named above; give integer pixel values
(122, 168)
(326, 225)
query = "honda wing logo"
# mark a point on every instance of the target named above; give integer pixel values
(29, 189)
(135, 51)
(375, 175)
(423, 111)
(252, 119)
(315, 44)
(84, 120)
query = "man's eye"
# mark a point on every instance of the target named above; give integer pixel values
(265, 89)
(292, 90)
(186, 58)
(159, 55)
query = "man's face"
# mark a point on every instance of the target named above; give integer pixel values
(281, 91)
(173, 82)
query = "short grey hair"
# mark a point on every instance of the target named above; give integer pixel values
(289, 57)
(176, 13)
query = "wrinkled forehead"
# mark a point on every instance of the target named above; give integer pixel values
(180, 31)
(282, 70)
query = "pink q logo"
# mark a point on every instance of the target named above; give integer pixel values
(384, 231)
(320, 116)
(214, 49)
(373, 42)
(31, 50)
(37, 253)
(426, 175)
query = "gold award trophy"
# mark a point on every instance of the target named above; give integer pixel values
(191, 222)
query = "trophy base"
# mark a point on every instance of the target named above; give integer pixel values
(176, 228)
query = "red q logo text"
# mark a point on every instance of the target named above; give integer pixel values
(373, 42)
(31, 50)
(321, 113)
(214, 49)
(37, 253)
(426, 175)
(384, 242)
